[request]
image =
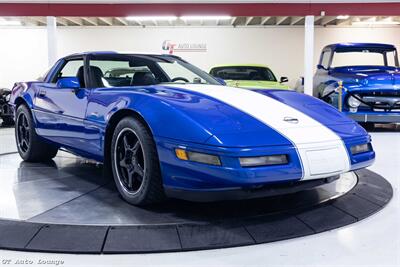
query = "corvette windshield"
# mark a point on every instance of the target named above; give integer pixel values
(244, 73)
(139, 70)
(364, 58)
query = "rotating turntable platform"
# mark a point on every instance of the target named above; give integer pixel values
(67, 205)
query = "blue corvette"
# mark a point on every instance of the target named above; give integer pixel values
(370, 84)
(167, 128)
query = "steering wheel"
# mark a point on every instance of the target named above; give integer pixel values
(179, 79)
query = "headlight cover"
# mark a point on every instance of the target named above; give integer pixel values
(358, 149)
(353, 102)
(263, 161)
(197, 157)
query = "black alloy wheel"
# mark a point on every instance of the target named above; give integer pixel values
(23, 134)
(135, 164)
(31, 147)
(130, 162)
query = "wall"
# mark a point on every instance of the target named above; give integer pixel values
(23, 55)
(224, 45)
(23, 51)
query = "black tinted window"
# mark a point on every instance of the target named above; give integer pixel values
(244, 73)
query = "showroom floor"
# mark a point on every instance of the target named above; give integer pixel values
(348, 246)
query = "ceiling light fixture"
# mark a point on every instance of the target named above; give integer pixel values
(373, 21)
(343, 17)
(151, 18)
(10, 23)
(205, 17)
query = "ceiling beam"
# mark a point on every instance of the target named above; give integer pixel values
(244, 8)
(39, 20)
(106, 20)
(279, 20)
(31, 22)
(90, 20)
(327, 20)
(248, 20)
(295, 20)
(234, 20)
(62, 21)
(340, 22)
(122, 21)
(317, 19)
(74, 20)
(265, 20)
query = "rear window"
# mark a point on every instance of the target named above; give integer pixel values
(244, 73)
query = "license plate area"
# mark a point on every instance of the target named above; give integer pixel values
(325, 161)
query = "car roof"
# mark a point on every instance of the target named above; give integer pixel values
(120, 53)
(240, 65)
(355, 47)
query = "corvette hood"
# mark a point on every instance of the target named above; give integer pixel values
(241, 117)
(368, 77)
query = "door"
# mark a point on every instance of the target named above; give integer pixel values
(61, 110)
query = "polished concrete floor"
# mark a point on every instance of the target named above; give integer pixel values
(374, 241)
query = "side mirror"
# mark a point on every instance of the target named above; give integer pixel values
(284, 80)
(68, 82)
(221, 81)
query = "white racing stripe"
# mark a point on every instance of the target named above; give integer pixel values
(321, 151)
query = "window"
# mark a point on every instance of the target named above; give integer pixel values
(325, 58)
(362, 58)
(178, 73)
(113, 68)
(244, 73)
(391, 58)
(70, 69)
(141, 70)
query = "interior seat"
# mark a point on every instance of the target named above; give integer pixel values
(96, 75)
(143, 78)
(81, 77)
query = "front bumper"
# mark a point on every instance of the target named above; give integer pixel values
(375, 117)
(249, 193)
(191, 180)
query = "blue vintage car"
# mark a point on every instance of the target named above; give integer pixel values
(362, 80)
(166, 128)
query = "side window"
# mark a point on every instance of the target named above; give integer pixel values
(120, 73)
(391, 58)
(325, 58)
(72, 68)
(111, 73)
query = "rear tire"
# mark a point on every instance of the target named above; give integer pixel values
(135, 163)
(31, 147)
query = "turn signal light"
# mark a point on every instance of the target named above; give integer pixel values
(197, 157)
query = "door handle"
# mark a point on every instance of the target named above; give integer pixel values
(42, 93)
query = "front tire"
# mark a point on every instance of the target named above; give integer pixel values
(135, 163)
(30, 146)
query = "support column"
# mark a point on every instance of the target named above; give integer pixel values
(51, 40)
(308, 54)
